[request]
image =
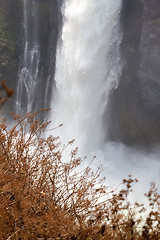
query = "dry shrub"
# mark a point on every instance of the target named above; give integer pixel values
(6, 92)
(42, 197)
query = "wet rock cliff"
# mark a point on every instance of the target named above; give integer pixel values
(134, 107)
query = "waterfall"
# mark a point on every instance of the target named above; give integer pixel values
(87, 69)
(29, 69)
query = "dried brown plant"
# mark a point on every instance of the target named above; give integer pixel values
(44, 197)
(7, 92)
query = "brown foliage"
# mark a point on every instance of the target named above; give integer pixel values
(7, 91)
(43, 197)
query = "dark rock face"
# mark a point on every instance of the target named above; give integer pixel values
(134, 107)
(10, 32)
(12, 42)
(42, 24)
(50, 21)
(10, 35)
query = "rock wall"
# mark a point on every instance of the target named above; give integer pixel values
(10, 31)
(134, 107)
(12, 44)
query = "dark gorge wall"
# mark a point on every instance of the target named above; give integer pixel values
(42, 24)
(12, 44)
(49, 25)
(10, 35)
(134, 107)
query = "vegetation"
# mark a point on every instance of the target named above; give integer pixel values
(6, 92)
(43, 197)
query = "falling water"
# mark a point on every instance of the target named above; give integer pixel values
(87, 69)
(29, 69)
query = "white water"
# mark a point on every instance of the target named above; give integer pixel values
(29, 69)
(87, 69)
